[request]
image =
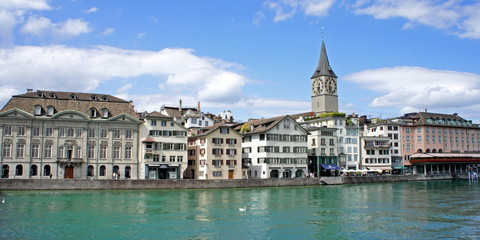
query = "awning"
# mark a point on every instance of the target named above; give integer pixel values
(383, 168)
(330, 167)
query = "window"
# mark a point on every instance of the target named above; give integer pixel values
(48, 151)
(35, 150)
(217, 162)
(104, 133)
(91, 151)
(116, 133)
(105, 113)
(6, 150)
(37, 110)
(91, 133)
(21, 131)
(61, 152)
(286, 124)
(217, 173)
(103, 152)
(153, 122)
(19, 170)
(93, 112)
(224, 130)
(35, 131)
(70, 132)
(116, 152)
(78, 132)
(34, 170)
(172, 158)
(46, 170)
(48, 132)
(50, 110)
(128, 152)
(163, 123)
(102, 170)
(78, 152)
(20, 150)
(7, 131)
(128, 134)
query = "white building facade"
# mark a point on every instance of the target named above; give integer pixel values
(163, 149)
(275, 148)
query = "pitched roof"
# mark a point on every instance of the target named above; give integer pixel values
(63, 101)
(157, 115)
(176, 112)
(323, 67)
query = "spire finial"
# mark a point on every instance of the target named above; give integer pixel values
(322, 33)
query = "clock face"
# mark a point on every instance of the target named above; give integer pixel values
(331, 86)
(317, 87)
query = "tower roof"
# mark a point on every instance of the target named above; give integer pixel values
(323, 68)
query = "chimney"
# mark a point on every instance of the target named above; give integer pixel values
(180, 105)
(425, 110)
(29, 90)
(198, 108)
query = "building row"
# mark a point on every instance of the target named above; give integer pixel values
(71, 135)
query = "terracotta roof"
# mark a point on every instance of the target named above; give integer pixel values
(263, 125)
(63, 101)
(175, 112)
(149, 139)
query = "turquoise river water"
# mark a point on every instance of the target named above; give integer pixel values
(404, 210)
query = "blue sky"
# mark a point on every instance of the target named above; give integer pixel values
(254, 58)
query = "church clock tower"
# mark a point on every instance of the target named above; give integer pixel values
(324, 86)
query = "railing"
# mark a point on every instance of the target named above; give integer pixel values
(71, 160)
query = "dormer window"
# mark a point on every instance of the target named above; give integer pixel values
(50, 110)
(105, 98)
(105, 113)
(53, 95)
(73, 96)
(41, 95)
(94, 97)
(37, 110)
(93, 112)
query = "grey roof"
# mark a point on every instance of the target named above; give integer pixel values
(323, 68)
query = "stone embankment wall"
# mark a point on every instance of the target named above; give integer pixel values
(54, 184)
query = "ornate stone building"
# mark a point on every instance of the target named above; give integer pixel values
(51, 134)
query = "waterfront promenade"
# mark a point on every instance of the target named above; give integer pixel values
(67, 184)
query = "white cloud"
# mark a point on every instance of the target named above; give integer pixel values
(91, 10)
(8, 22)
(41, 26)
(141, 35)
(409, 88)
(67, 68)
(456, 17)
(285, 9)
(25, 4)
(108, 31)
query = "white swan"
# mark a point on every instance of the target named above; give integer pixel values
(3, 201)
(244, 209)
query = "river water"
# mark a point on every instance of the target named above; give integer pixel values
(404, 210)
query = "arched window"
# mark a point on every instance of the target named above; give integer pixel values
(50, 110)
(102, 170)
(434, 151)
(19, 170)
(37, 110)
(73, 96)
(5, 171)
(128, 170)
(105, 98)
(46, 170)
(34, 170)
(116, 172)
(105, 113)
(440, 151)
(419, 151)
(90, 171)
(93, 112)
(41, 95)
(53, 95)
(428, 150)
(94, 97)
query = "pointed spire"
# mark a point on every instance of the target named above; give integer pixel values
(323, 68)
